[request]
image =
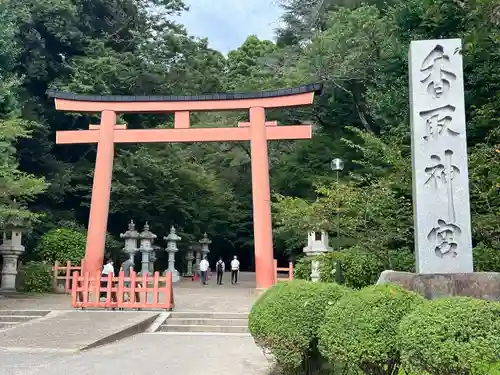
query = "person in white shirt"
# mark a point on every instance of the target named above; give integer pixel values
(204, 265)
(108, 269)
(235, 268)
(220, 267)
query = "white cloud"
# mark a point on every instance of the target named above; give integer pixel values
(227, 23)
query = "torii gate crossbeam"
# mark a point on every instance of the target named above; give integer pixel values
(258, 131)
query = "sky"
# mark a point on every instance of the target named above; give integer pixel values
(227, 23)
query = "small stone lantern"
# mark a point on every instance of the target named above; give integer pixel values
(171, 249)
(204, 245)
(189, 258)
(131, 236)
(10, 249)
(146, 237)
(197, 250)
(317, 243)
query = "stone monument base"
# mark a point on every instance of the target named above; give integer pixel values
(483, 285)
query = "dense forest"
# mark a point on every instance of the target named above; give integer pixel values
(357, 49)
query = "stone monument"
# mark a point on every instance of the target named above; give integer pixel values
(443, 241)
(317, 244)
(10, 249)
(443, 244)
(147, 238)
(171, 249)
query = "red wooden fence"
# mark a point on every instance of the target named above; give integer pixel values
(64, 272)
(288, 269)
(144, 292)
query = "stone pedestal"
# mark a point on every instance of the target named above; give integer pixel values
(146, 237)
(171, 249)
(152, 259)
(10, 250)
(315, 274)
(145, 261)
(317, 244)
(197, 261)
(483, 285)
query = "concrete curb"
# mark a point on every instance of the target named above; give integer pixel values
(127, 332)
(158, 322)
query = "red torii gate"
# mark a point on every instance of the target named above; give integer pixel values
(258, 131)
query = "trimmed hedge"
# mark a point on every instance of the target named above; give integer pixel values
(62, 245)
(360, 329)
(286, 317)
(452, 336)
(34, 277)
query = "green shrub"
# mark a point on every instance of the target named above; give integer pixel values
(302, 268)
(34, 277)
(452, 336)
(360, 329)
(360, 268)
(286, 317)
(62, 245)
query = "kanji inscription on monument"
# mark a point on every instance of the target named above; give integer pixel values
(441, 205)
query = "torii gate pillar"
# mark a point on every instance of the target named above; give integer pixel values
(261, 193)
(101, 192)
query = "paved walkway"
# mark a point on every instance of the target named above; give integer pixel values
(189, 296)
(152, 353)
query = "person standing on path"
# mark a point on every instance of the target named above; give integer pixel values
(220, 267)
(235, 268)
(127, 268)
(108, 269)
(204, 265)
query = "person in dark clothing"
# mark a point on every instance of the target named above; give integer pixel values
(220, 268)
(127, 268)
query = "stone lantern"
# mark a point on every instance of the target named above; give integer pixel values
(152, 258)
(197, 250)
(131, 236)
(189, 258)
(204, 245)
(10, 249)
(146, 237)
(171, 249)
(317, 243)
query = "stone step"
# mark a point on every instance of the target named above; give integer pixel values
(17, 318)
(6, 325)
(207, 322)
(202, 328)
(37, 313)
(207, 315)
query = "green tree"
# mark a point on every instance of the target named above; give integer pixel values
(17, 188)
